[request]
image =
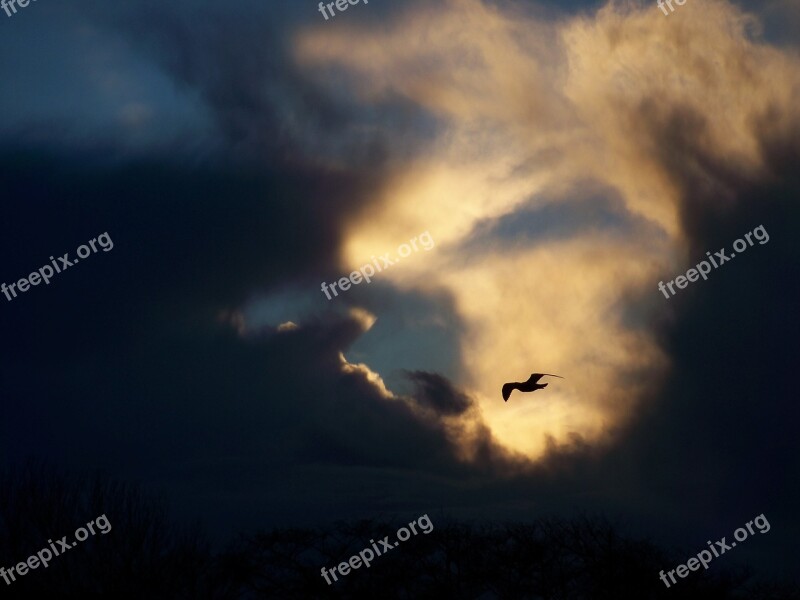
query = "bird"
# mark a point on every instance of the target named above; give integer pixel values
(527, 386)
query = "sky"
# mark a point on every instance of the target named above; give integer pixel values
(563, 158)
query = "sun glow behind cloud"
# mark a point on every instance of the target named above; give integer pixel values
(531, 111)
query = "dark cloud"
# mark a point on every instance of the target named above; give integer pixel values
(119, 363)
(716, 444)
(436, 392)
(239, 61)
(221, 421)
(588, 207)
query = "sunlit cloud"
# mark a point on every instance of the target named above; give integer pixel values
(531, 110)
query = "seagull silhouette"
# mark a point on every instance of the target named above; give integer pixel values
(526, 386)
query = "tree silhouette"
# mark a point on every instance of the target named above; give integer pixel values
(548, 559)
(143, 556)
(146, 556)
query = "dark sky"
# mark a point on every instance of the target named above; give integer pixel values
(565, 160)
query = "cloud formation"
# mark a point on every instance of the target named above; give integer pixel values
(664, 112)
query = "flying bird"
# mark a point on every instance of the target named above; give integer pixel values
(526, 386)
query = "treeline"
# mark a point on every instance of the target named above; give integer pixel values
(147, 556)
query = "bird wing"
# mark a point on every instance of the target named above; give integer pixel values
(516, 385)
(538, 376)
(508, 388)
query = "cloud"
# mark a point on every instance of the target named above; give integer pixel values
(438, 394)
(657, 112)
